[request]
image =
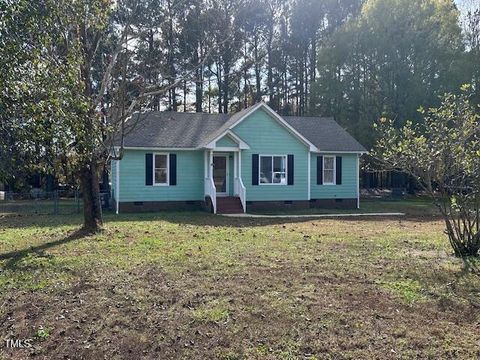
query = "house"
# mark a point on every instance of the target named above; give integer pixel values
(254, 159)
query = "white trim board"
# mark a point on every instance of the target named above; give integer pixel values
(340, 152)
(272, 156)
(154, 183)
(241, 144)
(117, 186)
(334, 182)
(155, 148)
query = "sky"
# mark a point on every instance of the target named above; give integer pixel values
(465, 5)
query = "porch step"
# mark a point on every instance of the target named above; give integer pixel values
(229, 205)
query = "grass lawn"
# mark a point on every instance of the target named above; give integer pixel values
(199, 286)
(413, 206)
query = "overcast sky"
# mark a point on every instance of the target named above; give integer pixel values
(464, 5)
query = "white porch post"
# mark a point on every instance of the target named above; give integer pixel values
(206, 163)
(211, 164)
(117, 187)
(235, 170)
(309, 159)
(239, 163)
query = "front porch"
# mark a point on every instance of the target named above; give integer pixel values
(224, 189)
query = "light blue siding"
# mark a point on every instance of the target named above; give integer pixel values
(348, 188)
(190, 178)
(266, 136)
(226, 141)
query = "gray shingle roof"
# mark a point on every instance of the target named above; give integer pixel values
(192, 130)
(173, 129)
(324, 133)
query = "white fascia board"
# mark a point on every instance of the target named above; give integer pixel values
(242, 145)
(340, 152)
(155, 148)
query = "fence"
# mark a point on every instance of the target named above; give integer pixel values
(45, 203)
(41, 202)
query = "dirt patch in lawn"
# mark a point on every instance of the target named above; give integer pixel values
(326, 289)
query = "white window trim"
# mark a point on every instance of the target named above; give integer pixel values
(168, 170)
(259, 169)
(334, 170)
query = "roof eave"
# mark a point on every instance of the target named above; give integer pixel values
(361, 152)
(242, 145)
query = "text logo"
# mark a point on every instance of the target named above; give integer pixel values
(18, 343)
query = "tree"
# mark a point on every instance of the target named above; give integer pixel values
(443, 155)
(36, 89)
(391, 58)
(472, 34)
(63, 97)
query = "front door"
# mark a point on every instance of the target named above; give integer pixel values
(220, 174)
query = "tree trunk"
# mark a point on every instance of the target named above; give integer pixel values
(92, 209)
(220, 88)
(209, 94)
(258, 85)
(226, 85)
(184, 95)
(171, 60)
(199, 83)
(301, 85)
(270, 67)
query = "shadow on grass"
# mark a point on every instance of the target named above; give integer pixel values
(195, 218)
(14, 257)
(27, 220)
(205, 219)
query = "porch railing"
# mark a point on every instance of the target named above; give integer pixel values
(242, 192)
(211, 192)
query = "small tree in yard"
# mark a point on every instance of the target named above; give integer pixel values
(443, 155)
(54, 84)
(72, 74)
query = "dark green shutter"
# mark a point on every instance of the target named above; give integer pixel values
(254, 169)
(319, 170)
(148, 169)
(173, 169)
(338, 170)
(290, 169)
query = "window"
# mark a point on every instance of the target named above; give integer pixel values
(160, 167)
(273, 170)
(329, 170)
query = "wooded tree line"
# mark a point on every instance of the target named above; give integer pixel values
(355, 60)
(241, 50)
